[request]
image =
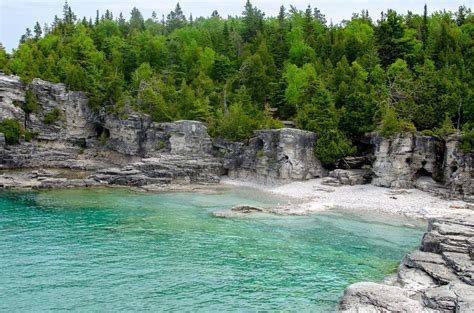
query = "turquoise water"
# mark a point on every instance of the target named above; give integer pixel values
(116, 250)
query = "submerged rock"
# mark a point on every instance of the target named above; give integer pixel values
(238, 211)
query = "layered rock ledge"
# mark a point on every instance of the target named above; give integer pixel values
(439, 277)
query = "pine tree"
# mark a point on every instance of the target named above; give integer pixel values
(38, 31)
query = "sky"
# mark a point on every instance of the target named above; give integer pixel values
(17, 15)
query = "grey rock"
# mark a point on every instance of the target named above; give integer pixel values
(2, 141)
(372, 297)
(12, 91)
(432, 164)
(414, 280)
(440, 298)
(402, 158)
(349, 177)
(275, 155)
(437, 275)
(238, 211)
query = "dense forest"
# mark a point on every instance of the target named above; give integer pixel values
(402, 72)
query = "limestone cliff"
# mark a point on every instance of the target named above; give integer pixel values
(273, 155)
(130, 149)
(429, 163)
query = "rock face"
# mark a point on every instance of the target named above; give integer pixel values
(75, 122)
(402, 158)
(426, 162)
(273, 155)
(80, 138)
(437, 278)
(12, 91)
(458, 169)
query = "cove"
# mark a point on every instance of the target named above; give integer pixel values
(118, 250)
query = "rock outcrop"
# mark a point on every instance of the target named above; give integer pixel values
(439, 277)
(71, 135)
(429, 163)
(402, 158)
(273, 155)
(12, 91)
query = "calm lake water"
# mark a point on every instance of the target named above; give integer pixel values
(116, 250)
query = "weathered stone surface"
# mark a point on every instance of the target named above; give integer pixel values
(76, 121)
(440, 298)
(372, 297)
(187, 137)
(164, 169)
(11, 92)
(402, 158)
(435, 278)
(458, 168)
(2, 141)
(137, 134)
(414, 280)
(431, 263)
(348, 177)
(429, 163)
(275, 155)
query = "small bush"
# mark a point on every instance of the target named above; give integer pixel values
(53, 116)
(31, 103)
(447, 128)
(467, 143)
(332, 146)
(427, 132)
(12, 130)
(260, 154)
(104, 137)
(237, 125)
(30, 135)
(392, 124)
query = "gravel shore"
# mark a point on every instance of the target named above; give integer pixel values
(310, 196)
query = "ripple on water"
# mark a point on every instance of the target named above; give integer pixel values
(110, 250)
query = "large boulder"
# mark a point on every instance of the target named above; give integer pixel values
(275, 155)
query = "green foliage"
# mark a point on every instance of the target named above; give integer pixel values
(391, 123)
(53, 116)
(467, 143)
(104, 137)
(31, 103)
(236, 124)
(336, 79)
(12, 130)
(446, 128)
(332, 146)
(30, 135)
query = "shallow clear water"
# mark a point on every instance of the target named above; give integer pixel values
(116, 250)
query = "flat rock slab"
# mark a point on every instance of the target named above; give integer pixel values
(372, 297)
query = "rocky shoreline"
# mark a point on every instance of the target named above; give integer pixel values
(87, 148)
(439, 277)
